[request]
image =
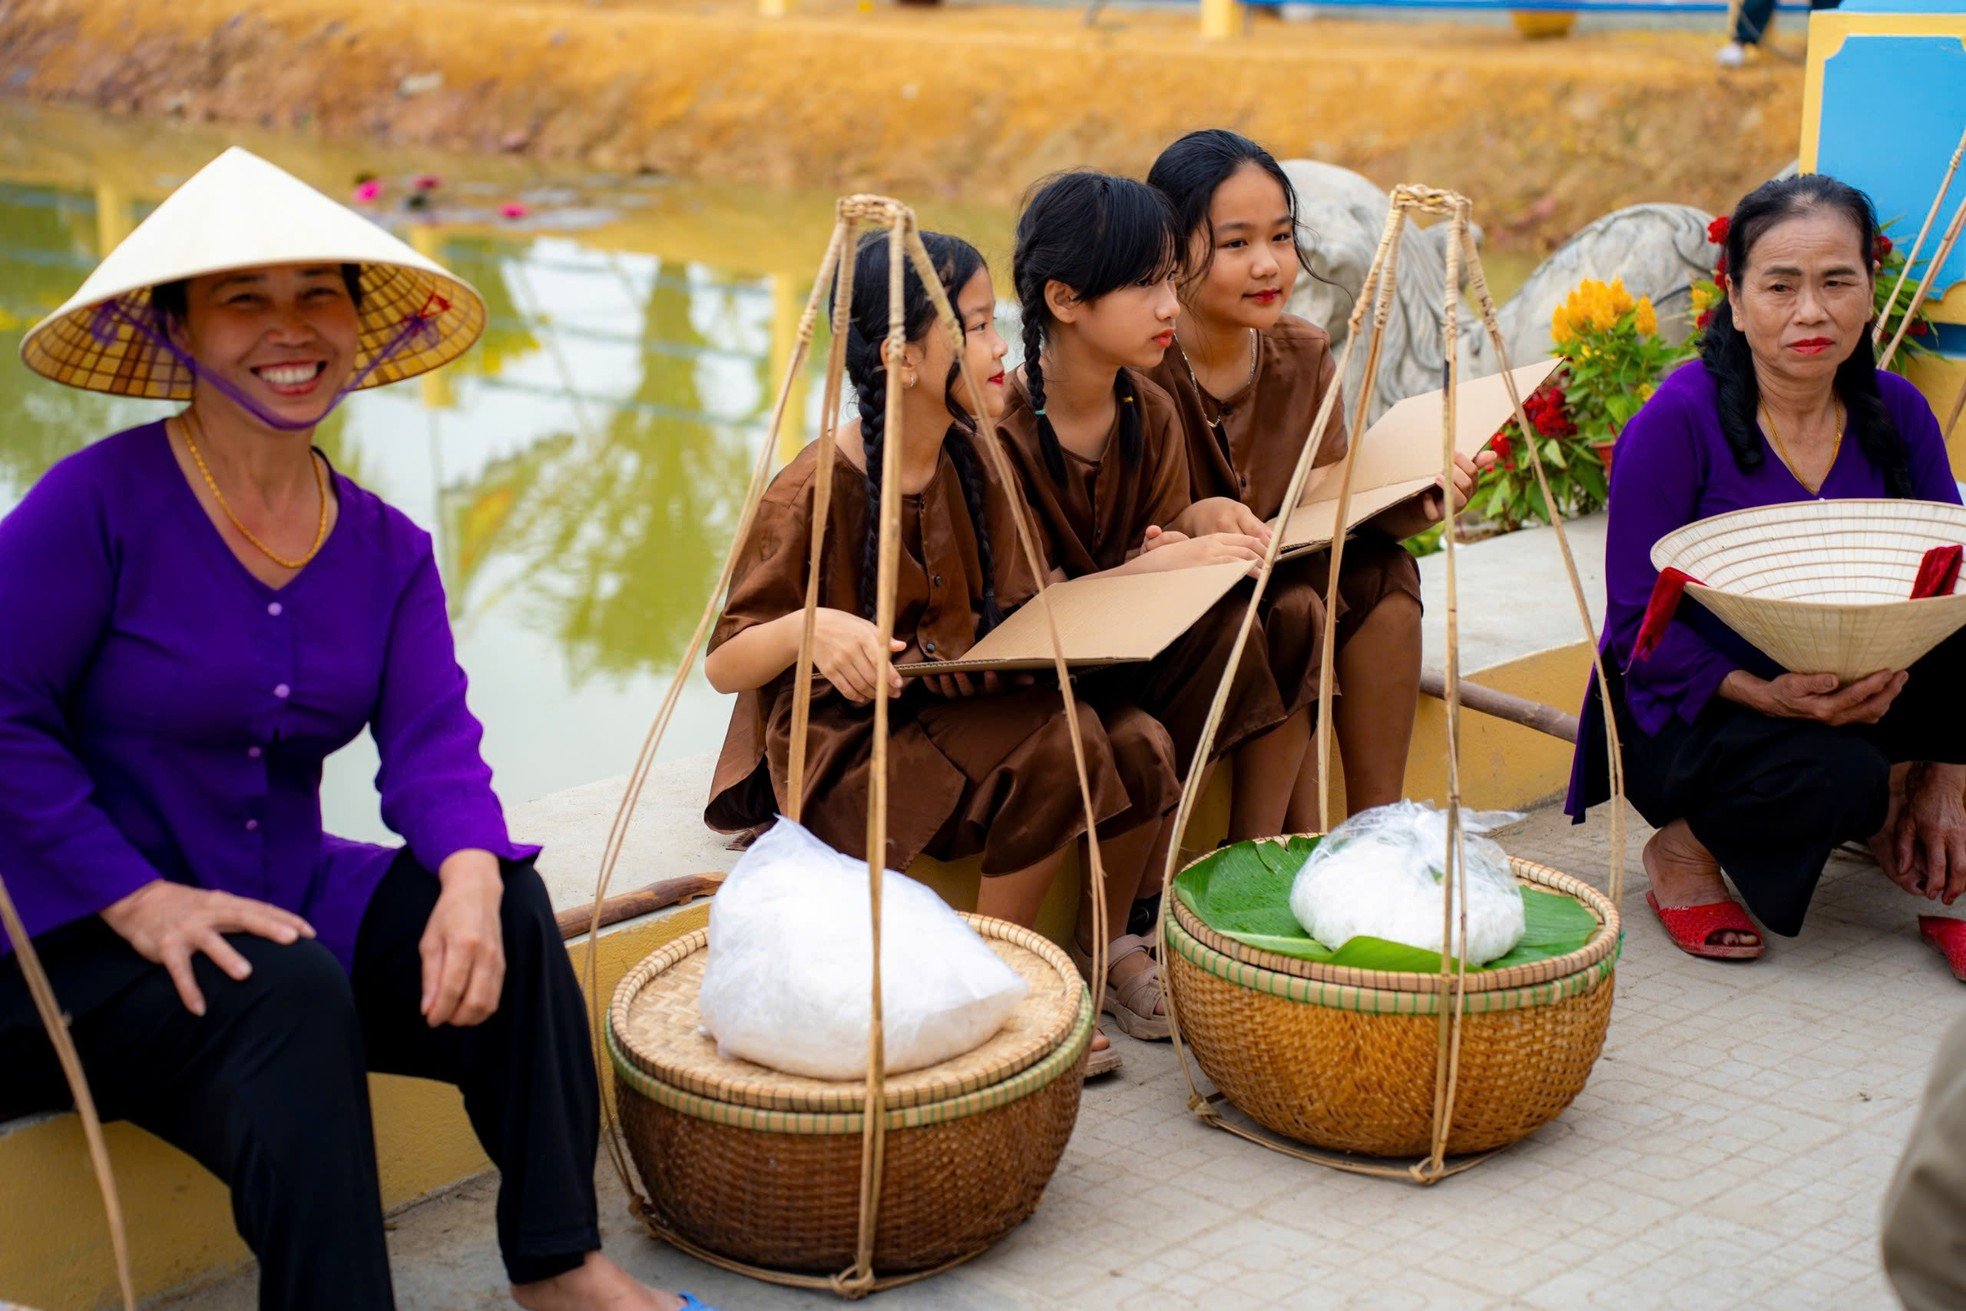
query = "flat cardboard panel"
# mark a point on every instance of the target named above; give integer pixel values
(1399, 456)
(1103, 619)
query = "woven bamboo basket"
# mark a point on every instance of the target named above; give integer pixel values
(1345, 1059)
(763, 1167)
(1822, 586)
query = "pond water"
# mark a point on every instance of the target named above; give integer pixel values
(580, 469)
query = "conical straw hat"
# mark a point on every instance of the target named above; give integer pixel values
(1823, 587)
(241, 212)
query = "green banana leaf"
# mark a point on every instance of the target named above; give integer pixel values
(1243, 892)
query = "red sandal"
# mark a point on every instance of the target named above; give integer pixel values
(1693, 928)
(1948, 935)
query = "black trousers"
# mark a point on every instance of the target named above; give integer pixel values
(268, 1090)
(1772, 798)
(1755, 15)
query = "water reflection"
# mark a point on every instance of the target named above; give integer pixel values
(580, 469)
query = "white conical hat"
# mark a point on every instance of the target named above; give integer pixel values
(241, 212)
(1823, 587)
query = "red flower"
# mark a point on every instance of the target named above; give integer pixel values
(1501, 444)
(1717, 230)
(1882, 248)
(1918, 328)
(1720, 268)
(1706, 317)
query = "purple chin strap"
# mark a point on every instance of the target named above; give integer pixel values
(418, 329)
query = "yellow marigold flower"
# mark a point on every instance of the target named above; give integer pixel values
(1645, 391)
(1702, 297)
(1646, 319)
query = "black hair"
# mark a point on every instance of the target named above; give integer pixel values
(1095, 233)
(956, 262)
(171, 301)
(1729, 361)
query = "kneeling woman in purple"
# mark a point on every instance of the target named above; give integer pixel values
(1747, 770)
(197, 612)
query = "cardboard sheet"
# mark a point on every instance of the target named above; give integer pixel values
(1102, 620)
(1399, 456)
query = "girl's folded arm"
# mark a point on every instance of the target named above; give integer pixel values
(749, 659)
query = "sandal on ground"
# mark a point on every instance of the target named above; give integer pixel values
(1101, 1062)
(1133, 1004)
(1948, 936)
(1694, 928)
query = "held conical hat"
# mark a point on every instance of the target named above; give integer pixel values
(241, 212)
(1823, 587)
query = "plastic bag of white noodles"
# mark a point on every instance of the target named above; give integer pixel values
(1382, 874)
(789, 973)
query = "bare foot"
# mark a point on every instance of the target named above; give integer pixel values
(1684, 873)
(597, 1284)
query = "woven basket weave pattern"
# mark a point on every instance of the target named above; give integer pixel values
(764, 1168)
(1823, 586)
(1599, 948)
(1352, 1069)
(789, 1201)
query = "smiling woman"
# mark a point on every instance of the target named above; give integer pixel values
(203, 610)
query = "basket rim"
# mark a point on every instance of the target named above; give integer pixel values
(1602, 944)
(1380, 1001)
(1057, 1064)
(774, 1091)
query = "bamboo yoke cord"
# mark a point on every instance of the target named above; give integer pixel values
(1924, 229)
(1377, 294)
(78, 1086)
(904, 244)
(1940, 254)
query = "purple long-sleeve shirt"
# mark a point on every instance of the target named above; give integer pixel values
(163, 713)
(1673, 467)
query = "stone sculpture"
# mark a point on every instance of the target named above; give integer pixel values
(1657, 249)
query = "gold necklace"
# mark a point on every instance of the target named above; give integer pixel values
(1207, 395)
(320, 486)
(1836, 448)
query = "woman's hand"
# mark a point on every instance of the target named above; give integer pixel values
(1422, 512)
(168, 923)
(1193, 552)
(846, 649)
(1817, 697)
(1928, 833)
(1222, 514)
(463, 945)
(962, 684)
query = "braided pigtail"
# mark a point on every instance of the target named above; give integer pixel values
(870, 395)
(1054, 454)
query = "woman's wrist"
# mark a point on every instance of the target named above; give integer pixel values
(467, 866)
(1743, 688)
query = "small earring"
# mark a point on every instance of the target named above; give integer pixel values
(908, 380)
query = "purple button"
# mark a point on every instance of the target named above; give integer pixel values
(253, 753)
(274, 608)
(282, 691)
(252, 826)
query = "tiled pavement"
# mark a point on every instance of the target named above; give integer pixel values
(1731, 1150)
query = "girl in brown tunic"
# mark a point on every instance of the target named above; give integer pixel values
(1103, 464)
(1248, 380)
(975, 766)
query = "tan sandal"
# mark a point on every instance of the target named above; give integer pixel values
(1133, 1005)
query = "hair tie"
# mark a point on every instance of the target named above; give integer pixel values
(1039, 411)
